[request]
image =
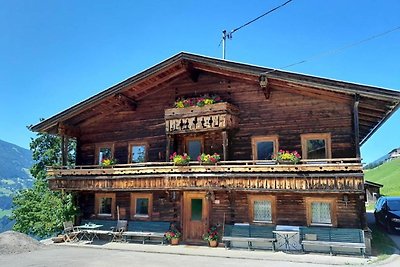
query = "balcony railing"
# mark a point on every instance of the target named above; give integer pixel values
(222, 167)
(330, 175)
(218, 116)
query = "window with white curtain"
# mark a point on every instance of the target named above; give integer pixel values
(262, 211)
(321, 213)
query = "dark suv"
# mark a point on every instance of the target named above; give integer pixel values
(387, 213)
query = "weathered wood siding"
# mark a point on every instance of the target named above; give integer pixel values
(233, 207)
(166, 206)
(287, 114)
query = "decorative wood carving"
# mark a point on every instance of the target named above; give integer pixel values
(218, 116)
(258, 183)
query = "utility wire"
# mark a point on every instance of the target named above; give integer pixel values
(226, 35)
(338, 50)
(251, 21)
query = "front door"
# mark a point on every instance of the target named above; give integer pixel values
(195, 216)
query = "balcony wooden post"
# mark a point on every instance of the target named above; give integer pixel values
(64, 149)
(170, 145)
(356, 126)
(225, 144)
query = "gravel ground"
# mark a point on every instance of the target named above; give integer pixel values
(12, 242)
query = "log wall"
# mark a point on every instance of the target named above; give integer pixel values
(233, 207)
(285, 113)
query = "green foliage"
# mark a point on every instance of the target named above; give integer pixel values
(387, 174)
(39, 211)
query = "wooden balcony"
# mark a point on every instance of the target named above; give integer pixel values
(218, 116)
(336, 175)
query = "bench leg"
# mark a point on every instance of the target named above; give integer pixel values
(273, 246)
(249, 245)
(227, 244)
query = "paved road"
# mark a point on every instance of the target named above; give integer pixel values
(148, 255)
(87, 257)
(371, 221)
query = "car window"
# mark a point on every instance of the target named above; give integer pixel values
(378, 204)
(393, 204)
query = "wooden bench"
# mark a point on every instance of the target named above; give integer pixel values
(147, 230)
(249, 234)
(332, 238)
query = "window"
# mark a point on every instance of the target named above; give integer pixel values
(194, 147)
(141, 205)
(104, 151)
(316, 146)
(321, 211)
(137, 153)
(264, 147)
(105, 205)
(261, 208)
(197, 209)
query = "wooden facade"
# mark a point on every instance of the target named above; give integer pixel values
(286, 110)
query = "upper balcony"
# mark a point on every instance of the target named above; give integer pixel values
(309, 175)
(219, 116)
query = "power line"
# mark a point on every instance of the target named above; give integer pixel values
(251, 21)
(337, 50)
(229, 35)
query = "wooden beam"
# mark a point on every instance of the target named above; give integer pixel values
(225, 144)
(170, 145)
(234, 75)
(356, 127)
(310, 91)
(193, 73)
(127, 100)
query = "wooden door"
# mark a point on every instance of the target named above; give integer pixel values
(195, 216)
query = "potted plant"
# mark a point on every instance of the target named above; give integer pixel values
(287, 157)
(108, 162)
(173, 235)
(209, 159)
(212, 236)
(180, 159)
(197, 101)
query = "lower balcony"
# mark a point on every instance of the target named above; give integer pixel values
(333, 175)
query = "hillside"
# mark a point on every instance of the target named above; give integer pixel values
(387, 174)
(15, 162)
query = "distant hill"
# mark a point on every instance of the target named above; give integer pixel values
(387, 174)
(15, 163)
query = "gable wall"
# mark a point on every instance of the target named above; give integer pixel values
(286, 114)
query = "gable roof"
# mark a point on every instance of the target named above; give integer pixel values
(373, 184)
(375, 104)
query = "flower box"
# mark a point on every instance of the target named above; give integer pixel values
(287, 157)
(180, 159)
(208, 159)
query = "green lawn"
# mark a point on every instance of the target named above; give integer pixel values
(387, 174)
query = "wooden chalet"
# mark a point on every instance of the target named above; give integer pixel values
(262, 111)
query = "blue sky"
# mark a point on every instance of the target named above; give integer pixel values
(54, 54)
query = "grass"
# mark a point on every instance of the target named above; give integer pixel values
(370, 206)
(382, 245)
(387, 174)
